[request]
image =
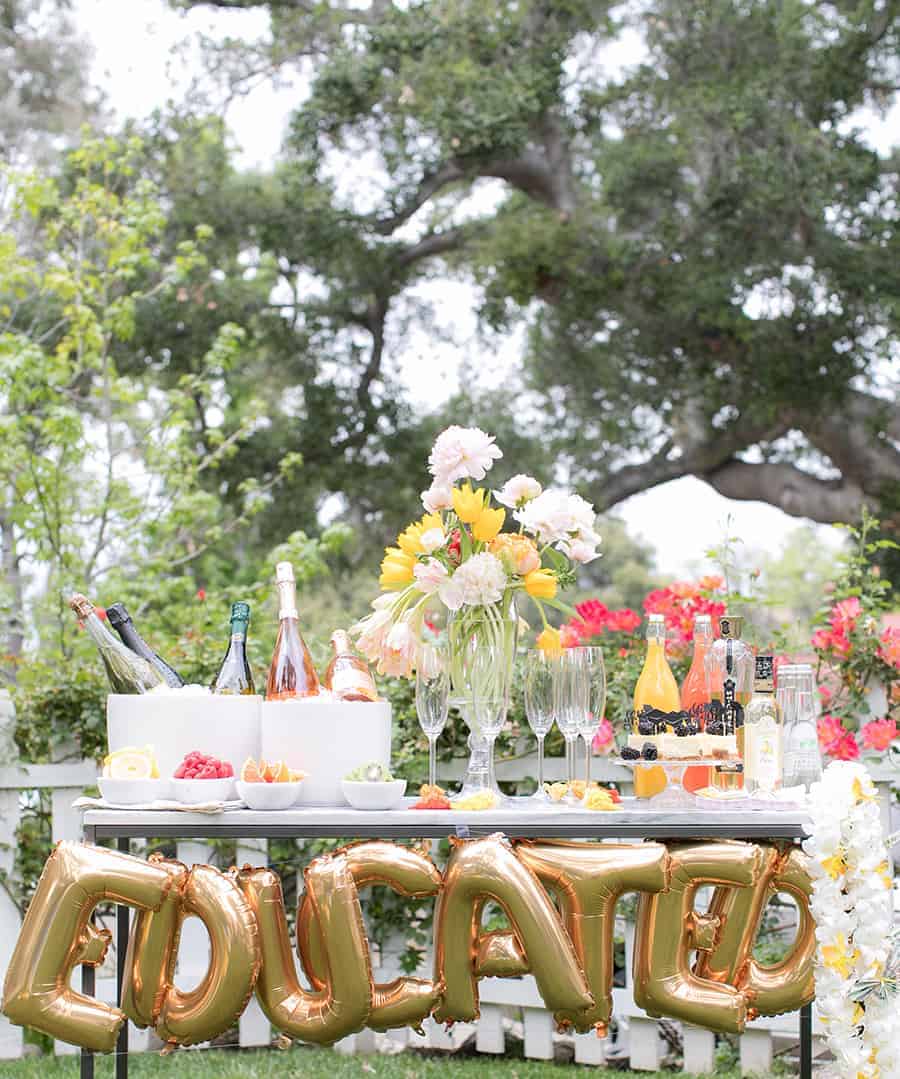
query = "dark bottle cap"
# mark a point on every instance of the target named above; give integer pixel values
(117, 614)
(240, 612)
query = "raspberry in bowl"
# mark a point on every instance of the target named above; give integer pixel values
(203, 778)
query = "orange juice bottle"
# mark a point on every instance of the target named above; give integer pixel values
(695, 692)
(657, 688)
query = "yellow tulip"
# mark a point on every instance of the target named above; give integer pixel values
(396, 568)
(540, 583)
(549, 642)
(488, 525)
(468, 504)
(410, 539)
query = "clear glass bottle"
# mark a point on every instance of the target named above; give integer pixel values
(127, 672)
(348, 676)
(235, 676)
(121, 622)
(291, 672)
(763, 733)
(731, 669)
(802, 757)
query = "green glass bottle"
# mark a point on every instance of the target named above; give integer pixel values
(234, 674)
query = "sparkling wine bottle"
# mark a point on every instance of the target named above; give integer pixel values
(234, 674)
(121, 622)
(127, 672)
(763, 733)
(731, 668)
(348, 676)
(291, 673)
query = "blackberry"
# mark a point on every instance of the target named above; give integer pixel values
(682, 730)
(715, 726)
(646, 726)
(649, 752)
(629, 753)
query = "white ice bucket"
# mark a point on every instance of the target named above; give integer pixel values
(326, 739)
(174, 724)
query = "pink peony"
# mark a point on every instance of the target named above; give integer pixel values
(429, 575)
(461, 452)
(517, 491)
(439, 496)
(845, 749)
(879, 733)
(830, 730)
(603, 739)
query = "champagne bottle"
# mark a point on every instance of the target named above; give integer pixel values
(127, 672)
(763, 732)
(234, 672)
(730, 666)
(291, 673)
(348, 676)
(121, 622)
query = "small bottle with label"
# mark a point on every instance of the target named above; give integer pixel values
(763, 733)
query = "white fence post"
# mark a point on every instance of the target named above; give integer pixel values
(11, 1039)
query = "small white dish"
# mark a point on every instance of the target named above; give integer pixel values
(366, 795)
(269, 795)
(133, 791)
(195, 791)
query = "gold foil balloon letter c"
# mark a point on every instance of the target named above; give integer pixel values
(486, 869)
(56, 934)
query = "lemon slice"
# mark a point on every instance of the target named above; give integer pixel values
(131, 763)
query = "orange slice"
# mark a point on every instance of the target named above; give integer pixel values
(649, 781)
(282, 772)
(251, 772)
(297, 776)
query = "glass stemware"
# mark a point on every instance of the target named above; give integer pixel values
(595, 675)
(572, 697)
(541, 674)
(432, 700)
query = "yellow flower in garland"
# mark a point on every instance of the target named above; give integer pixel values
(549, 642)
(835, 866)
(488, 524)
(396, 568)
(410, 539)
(541, 583)
(467, 503)
(838, 956)
(861, 794)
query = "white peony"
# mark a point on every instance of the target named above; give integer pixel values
(480, 580)
(439, 496)
(579, 550)
(559, 517)
(432, 539)
(429, 575)
(517, 491)
(461, 452)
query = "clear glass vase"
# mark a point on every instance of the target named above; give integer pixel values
(481, 644)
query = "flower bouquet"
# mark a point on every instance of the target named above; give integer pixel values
(458, 558)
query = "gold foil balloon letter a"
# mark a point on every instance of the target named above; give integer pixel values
(488, 869)
(56, 935)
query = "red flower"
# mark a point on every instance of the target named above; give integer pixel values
(201, 594)
(830, 730)
(845, 749)
(890, 647)
(879, 733)
(623, 621)
(453, 547)
(100, 612)
(711, 583)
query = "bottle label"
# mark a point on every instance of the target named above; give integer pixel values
(732, 710)
(763, 765)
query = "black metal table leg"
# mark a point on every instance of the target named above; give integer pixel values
(806, 1042)
(122, 929)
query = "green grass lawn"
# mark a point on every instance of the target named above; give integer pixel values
(306, 1063)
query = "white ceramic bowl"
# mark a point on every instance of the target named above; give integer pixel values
(268, 795)
(194, 791)
(366, 795)
(133, 791)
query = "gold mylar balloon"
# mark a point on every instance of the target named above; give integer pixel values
(56, 934)
(341, 1003)
(213, 1006)
(788, 984)
(588, 879)
(403, 1001)
(152, 951)
(669, 929)
(484, 869)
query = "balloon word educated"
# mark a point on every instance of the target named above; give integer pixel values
(559, 898)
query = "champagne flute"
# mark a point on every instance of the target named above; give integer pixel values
(572, 705)
(541, 673)
(432, 700)
(595, 676)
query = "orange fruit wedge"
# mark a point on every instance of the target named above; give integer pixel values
(282, 774)
(297, 776)
(251, 772)
(649, 781)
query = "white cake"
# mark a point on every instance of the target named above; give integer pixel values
(326, 739)
(688, 747)
(178, 721)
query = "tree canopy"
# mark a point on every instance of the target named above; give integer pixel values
(702, 246)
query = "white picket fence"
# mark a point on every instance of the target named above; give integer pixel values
(509, 1007)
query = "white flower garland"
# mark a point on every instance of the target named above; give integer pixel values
(857, 976)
